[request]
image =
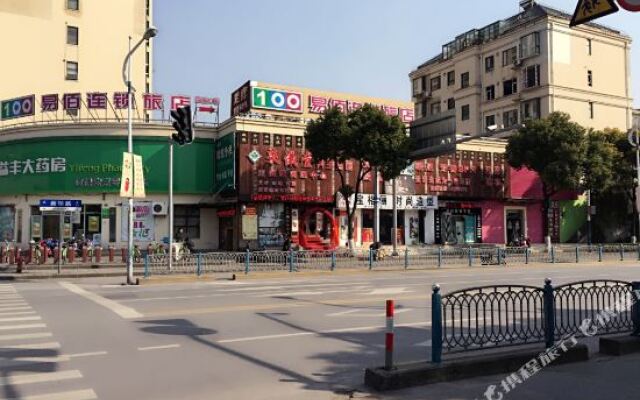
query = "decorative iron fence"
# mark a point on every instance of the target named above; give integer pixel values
(383, 259)
(507, 315)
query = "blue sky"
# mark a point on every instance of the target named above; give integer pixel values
(368, 47)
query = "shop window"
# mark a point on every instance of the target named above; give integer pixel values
(299, 142)
(266, 139)
(112, 225)
(187, 217)
(7, 221)
(277, 140)
(271, 225)
(288, 141)
(255, 139)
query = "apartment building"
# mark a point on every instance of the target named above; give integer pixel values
(522, 67)
(72, 46)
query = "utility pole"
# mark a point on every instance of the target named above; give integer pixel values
(394, 238)
(376, 206)
(589, 217)
(170, 204)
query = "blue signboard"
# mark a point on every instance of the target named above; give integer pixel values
(53, 204)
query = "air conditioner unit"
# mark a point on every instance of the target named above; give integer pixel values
(518, 63)
(159, 208)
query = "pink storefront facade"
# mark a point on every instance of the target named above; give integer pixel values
(518, 216)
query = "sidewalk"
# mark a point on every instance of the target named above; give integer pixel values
(79, 270)
(601, 378)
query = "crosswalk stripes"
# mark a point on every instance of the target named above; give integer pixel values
(31, 366)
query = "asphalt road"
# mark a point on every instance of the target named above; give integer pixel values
(298, 337)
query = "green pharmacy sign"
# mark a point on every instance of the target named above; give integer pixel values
(94, 165)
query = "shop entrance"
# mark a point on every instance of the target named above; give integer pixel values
(515, 227)
(319, 230)
(457, 226)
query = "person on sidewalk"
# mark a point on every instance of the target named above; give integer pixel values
(286, 247)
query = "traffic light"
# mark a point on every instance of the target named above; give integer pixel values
(183, 125)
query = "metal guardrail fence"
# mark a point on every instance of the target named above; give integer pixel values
(426, 258)
(506, 315)
(293, 261)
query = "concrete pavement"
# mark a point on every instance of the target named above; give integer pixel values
(273, 338)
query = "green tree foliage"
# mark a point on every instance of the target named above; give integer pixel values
(601, 158)
(554, 147)
(368, 137)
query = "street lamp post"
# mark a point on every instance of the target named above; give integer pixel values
(126, 77)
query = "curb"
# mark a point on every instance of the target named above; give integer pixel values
(620, 346)
(417, 374)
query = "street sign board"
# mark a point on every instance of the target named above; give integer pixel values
(588, 10)
(126, 181)
(60, 205)
(630, 5)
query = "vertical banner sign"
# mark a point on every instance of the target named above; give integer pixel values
(143, 222)
(294, 221)
(126, 182)
(224, 177)
(36, 227)
(18, 107)
(138, 178)
(250, 224)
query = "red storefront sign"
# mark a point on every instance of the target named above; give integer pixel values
(292, 198)
(226, 213)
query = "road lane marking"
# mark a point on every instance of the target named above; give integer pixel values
(341, 313)
(12, 362)
(123, 311)
(89, 354)
(29, 346)
(86, 394)
(168, 346)
(23, 326)
(14, 304)
(13, 319)
(14, 313)
(320, 333)
(26, 336)
(39, 377)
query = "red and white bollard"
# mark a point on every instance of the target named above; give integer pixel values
(388, 342)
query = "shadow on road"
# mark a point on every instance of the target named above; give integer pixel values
(11, 361)
(342, 371)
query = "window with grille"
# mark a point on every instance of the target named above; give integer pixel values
(188, 218)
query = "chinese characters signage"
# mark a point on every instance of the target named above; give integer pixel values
(319, 104)
(52, 102)
(143, 222)
(30, 166)
(94, 165)
(404, 202)
(224, 163)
